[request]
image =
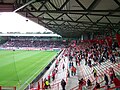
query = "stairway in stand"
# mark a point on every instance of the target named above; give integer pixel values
(85, 72)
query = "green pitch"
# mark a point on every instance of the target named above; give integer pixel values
(19, 68)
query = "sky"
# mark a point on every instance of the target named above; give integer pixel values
(13, 22)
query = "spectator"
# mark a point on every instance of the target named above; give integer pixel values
(89, 63)
(68, 73)
(56, 69)
(47, 84)
(112, 58)
(89, 82)
(74, 71)
(82, 82)
(49, 77)
(111, 73)
(94, 72)
(31, 42)
(53, 75)
(63, 67)
(106, 79)
(97, 86)
(63, 84)
(116, 81)
(70, 64)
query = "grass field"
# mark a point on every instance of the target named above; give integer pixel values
(19, 68)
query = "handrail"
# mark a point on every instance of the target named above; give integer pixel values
(99, 88)
(115, 87)
(11, 87)
(74, 87)
(78, 85)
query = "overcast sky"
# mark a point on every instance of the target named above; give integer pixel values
(13, 22)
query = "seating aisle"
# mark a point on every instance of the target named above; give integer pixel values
(85, 72)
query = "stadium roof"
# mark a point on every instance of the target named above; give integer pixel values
(38, 35)
(69, 18)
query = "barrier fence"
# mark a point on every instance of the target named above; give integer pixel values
(40, 86)
(7, 88)
(101, 88)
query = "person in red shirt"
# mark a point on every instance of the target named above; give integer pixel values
(81, 83)
(53, 75)
(74, 71)
(49, 77)
(116, 82)
(111, 73)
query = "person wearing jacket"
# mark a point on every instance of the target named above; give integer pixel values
(63, 84)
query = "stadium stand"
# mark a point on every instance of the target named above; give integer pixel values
(81, 60)
(75, 55)
(90, 60)
(101, 65)
(31, 43)
(34, 43)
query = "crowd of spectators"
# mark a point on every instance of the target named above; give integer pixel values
(34, 43)
(96, 53)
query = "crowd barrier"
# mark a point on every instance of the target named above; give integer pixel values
(30, 48)
(7, 88)
(101, 88)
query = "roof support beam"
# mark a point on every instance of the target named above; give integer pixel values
(40, 14)
(117, 2)
(30, 14)
(52, 4)
(79, 18)
(89, 19)
(75, 21)
(94, 4)
(75, 11)
(43, 3)
(64, 4)
(94, 23)
(60, 16)
(52, 18)
(79, 13)
(82, 25)
(24, 5)
(109, 14)
(32, 7)
(69, 17)
(80, 4)
(111, 24)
